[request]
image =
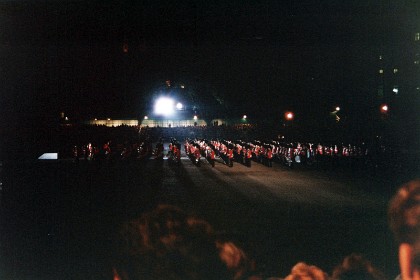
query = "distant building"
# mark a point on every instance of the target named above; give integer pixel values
(113, 123)
(172, 122)
(398, 70)
(398, 82)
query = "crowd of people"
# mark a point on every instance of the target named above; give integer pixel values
(170, 243)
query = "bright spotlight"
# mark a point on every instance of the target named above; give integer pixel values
(195, 117)
(179, 106)
(164, 106)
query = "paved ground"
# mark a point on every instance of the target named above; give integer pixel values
(58, 218)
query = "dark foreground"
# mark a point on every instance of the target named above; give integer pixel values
(58, 218)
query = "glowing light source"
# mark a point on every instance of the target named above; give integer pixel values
(125, 48)
(146, 117)
(164, 106)
(384, 108)
(179, 106)
(289, 116)
(337, 108)
(195, 117)
(244, 117)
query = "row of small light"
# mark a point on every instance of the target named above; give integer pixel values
(195, 117)
(287, 115)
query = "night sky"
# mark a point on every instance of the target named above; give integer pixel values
(93, 59)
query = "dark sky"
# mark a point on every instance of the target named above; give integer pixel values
(258, 56)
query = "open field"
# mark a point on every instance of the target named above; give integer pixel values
(58, 218)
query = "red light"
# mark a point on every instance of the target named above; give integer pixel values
(289, 115)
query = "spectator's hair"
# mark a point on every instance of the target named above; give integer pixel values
(356, 267)
(168, 243)
(303, 271)
(404, 213)
(237, 257)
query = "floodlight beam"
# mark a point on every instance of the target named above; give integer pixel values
(164, 106)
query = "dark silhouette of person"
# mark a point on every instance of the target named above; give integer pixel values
(356, 267)
(303, 271)
(169, 243)
(404, 221)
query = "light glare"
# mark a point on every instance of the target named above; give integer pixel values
(289, 115)
(164, 106)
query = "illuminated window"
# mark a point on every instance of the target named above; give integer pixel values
(417, 37)
(381, 71)
(395, 70)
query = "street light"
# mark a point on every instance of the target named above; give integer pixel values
(384, 108)
(334, 113)
(289, 116)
